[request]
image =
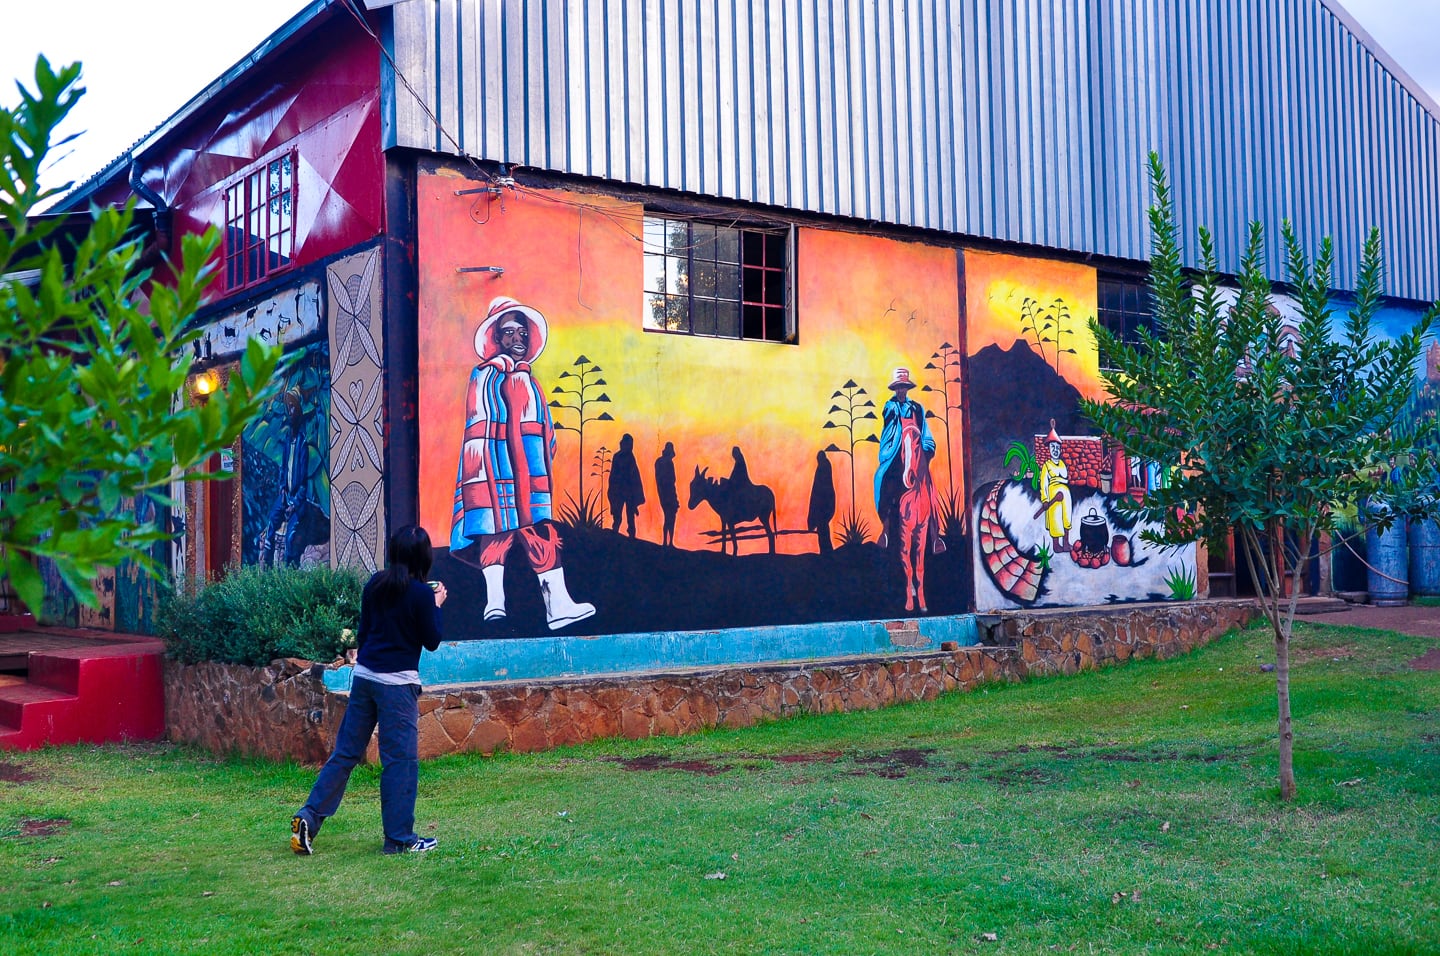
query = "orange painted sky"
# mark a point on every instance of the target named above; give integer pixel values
(996, 287)
(864, 306)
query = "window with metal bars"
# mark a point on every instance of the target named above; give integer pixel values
(260, 222)
(1124, 307)
(726, 281)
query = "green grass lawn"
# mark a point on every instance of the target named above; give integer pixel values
(1129, 810)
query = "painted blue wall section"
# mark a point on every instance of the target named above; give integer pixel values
(470, 662)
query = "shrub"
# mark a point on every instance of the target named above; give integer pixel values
(255, 615)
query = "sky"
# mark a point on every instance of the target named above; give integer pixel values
(144, 59)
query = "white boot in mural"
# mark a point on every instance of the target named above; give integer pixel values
(494, 591)
(560, 608)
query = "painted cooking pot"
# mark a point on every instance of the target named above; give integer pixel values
(1094, 535)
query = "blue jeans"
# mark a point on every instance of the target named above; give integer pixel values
(395, 707)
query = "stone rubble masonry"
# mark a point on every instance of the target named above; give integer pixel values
(284, 712)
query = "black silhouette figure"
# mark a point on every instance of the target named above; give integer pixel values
(822, 502)
(626, 493)
(734, 503)
(740, 473)
(665, 490)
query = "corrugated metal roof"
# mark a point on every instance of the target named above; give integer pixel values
(1016, 120)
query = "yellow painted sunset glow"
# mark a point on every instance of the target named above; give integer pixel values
(997, 290)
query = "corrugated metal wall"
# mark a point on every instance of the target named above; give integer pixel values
(1018, 120)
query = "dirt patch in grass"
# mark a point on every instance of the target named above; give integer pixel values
(708, 768)
(819, 756)
(1340, 652)
(1429, 661)
(893, 764)
(1028, 749)
(1020, 777)
(14, 773)
(41, 828)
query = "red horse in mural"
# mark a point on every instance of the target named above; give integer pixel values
(917, 508)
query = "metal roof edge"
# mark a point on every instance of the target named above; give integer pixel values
(1386, 60)
(298, 24)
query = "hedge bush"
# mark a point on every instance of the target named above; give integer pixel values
(255, 615)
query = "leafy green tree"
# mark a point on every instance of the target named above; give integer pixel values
(94, 361)
(1267, 433)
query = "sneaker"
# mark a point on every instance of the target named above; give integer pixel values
(300, 835)
(419, 845)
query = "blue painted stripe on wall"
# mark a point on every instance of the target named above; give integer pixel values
(473, 662)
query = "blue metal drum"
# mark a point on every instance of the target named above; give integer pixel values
(1425, 558)
(1389, 572)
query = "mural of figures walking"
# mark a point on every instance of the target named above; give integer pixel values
(822, 502)
(503, 488)
(665, 491)
(626, 494)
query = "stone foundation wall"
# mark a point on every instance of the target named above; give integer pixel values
(284, 712)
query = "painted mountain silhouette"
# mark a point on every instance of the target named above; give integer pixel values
(1013, 394)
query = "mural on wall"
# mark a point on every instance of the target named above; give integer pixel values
(357, 432)
(595, 468)
(1347, 558)
(286, 482)
(1048, 529)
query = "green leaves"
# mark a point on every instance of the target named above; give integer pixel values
(94, 363)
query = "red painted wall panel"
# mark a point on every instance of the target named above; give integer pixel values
(322, 98)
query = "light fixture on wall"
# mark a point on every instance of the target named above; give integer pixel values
(493, 270)
(206, 383)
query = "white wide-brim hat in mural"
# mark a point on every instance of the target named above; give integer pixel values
(901, 379)
(487, 336)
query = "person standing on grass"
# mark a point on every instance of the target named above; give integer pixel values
(399, 614)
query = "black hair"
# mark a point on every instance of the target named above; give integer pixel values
(409, 555)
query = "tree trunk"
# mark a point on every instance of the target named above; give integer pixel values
(1282, 694)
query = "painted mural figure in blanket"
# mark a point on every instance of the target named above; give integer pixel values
(503, 492)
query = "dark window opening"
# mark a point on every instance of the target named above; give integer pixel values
(1124, 308)
(703, 278)
(260, 222)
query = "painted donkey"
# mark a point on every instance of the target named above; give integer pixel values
(734, 503)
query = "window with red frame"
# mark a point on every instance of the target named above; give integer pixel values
(260, 222)
(707, 278)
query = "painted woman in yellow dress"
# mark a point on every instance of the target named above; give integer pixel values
(1055, 493)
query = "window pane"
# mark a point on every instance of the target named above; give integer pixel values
(775, 251)
(774, 287)
(702, 240)
(753, 289)
(727, 318)
(654, 273)
(702, 318)
(674, 275)
(752, 248)
(654, 235)
(704, 279)
(677, 237)
(775, 324)
(727, 244)
(728, 284)
(654, 310)
(1132, 298)
(677, 313)
(752, 321)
